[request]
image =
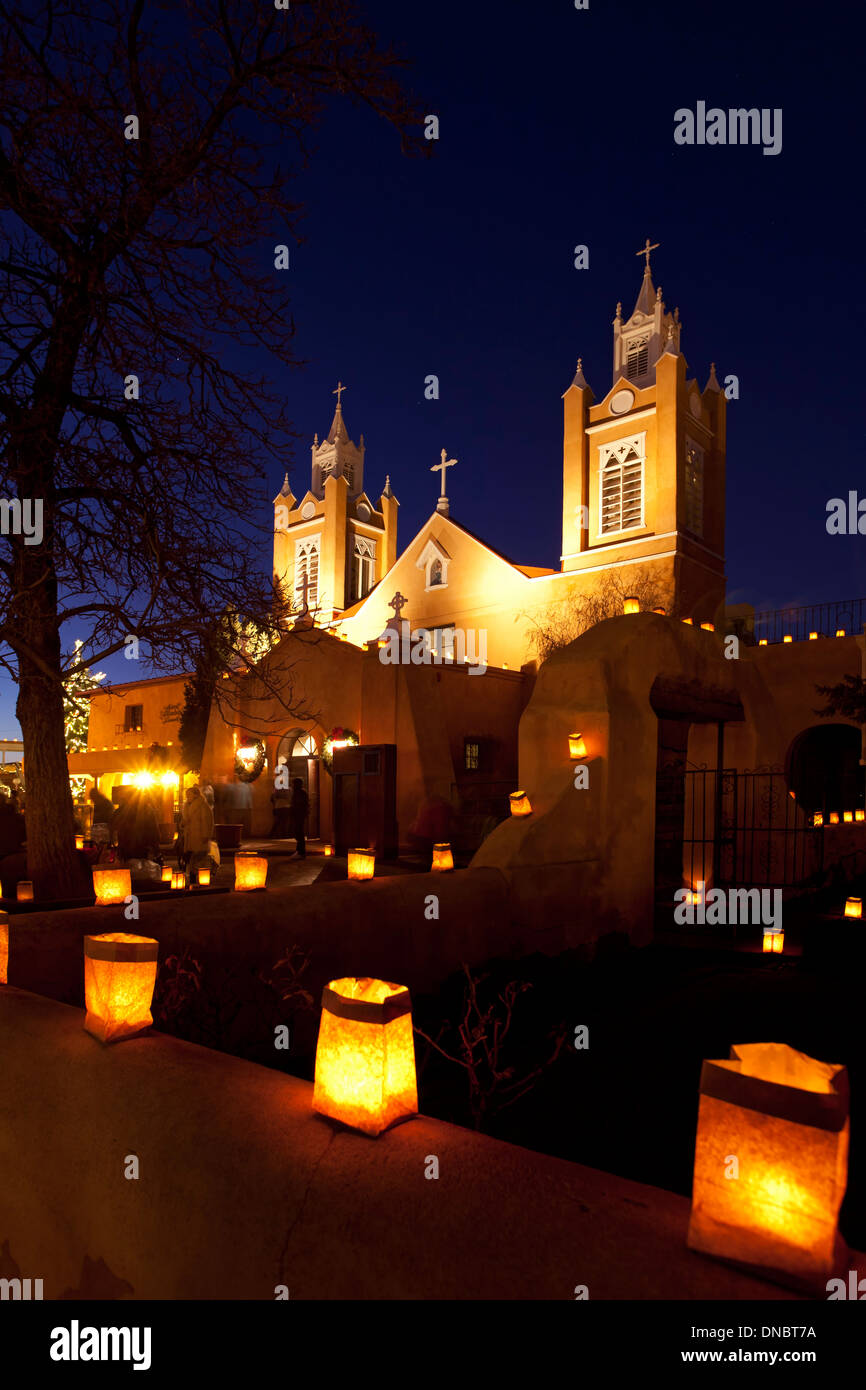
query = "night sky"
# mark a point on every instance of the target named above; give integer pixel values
(556, 129)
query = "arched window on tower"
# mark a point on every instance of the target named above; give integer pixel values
(621, 466)
(307, 569)
(637, 358)
(363, 568)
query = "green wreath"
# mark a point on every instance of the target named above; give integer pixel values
(340, 737)
(249, 767)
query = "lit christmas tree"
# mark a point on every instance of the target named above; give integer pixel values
(77, 685)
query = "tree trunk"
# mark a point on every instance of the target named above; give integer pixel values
(52, 860)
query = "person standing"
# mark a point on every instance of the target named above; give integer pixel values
(197, 829)
(103, 816)
(298, 816)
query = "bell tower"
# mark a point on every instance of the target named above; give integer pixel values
(334, 544)
(644, 467)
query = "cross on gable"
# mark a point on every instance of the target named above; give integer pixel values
(398, 603)
(440, 468)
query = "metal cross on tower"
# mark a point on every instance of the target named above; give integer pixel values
(645, 250)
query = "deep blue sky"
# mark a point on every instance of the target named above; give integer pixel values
(557, 129)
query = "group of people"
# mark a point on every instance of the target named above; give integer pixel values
(134, 828)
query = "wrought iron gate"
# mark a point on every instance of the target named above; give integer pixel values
(737, 828)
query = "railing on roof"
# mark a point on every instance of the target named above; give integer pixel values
(827, 619)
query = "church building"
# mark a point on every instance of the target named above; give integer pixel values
(643, 491)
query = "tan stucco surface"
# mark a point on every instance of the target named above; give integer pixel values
(242, 1189)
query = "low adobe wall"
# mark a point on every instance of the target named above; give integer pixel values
(241, 1189)
(381, 928)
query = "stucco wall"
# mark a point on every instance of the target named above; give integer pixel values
(594, 849)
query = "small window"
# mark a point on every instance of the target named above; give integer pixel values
(132, 719)
(435, 573)
(472, 754)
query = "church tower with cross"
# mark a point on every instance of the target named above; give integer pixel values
(335, 542)
(644, 465)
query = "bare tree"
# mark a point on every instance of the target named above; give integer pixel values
(563, 622)
(144, 203)
(482, 1046)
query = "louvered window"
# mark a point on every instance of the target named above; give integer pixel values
(638, 358)
(307, 568)
(622, 485)
(363, 568)
(694, 488)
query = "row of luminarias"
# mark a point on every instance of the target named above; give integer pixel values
(771, 1152)
(114, 885)
(632, 605)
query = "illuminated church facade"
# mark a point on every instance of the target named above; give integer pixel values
(643, 494)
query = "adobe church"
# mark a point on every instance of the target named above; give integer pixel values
(643, 494)
(643, 488)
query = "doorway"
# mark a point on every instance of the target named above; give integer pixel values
(297, 750)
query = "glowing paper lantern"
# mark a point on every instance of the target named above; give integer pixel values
(762, 642)
(251, 871)
(166, 873)
(853, 907)
(848, 817)
(24, 891)
(860, 815)
(119, 976)
(787, 638)
(631, 605)
(834, 817)
(689, 622)
(708, 627)
(365, 1056)
(818, 818)
(840, 632)
(783, 1117)
(111, 886)
(329, 850)
(178, 878)
(576, 746)
(520, 804)
(813, 636)
(774, 943)
(660, 611)
(79, 842)
(443, 859)
(362, 862)
(204, 878)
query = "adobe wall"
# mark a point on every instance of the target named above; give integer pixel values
(590, 853)
(242, 1189)
(426, 710)
(380, 928)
